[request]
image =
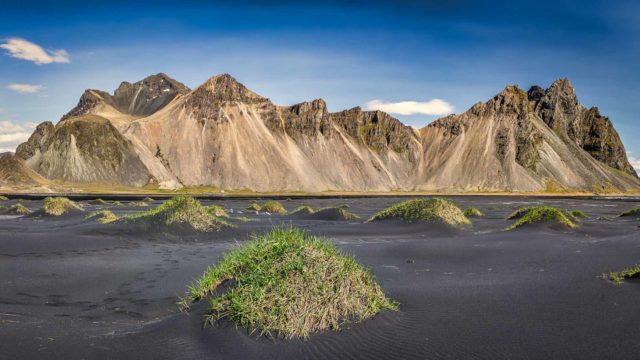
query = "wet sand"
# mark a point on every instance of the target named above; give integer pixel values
(74, 289)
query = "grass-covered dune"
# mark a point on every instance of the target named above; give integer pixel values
(102, 216)
(15, 209)
(544, 214)
(254, 206)
(431, 210)
(303, 210)
(181, 213)
(631, 213)
(329, 213)
(473, 212)
(274, 207)
(217, 211)
(628, 273)
(98, 202)
(58, 206)
(288, 283)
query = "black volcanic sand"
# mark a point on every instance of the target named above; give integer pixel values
(74, 289)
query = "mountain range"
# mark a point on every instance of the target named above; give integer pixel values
(158, 133)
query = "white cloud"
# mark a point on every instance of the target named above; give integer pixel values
(635, 162)
(12, 134)
(431, 107)
(26, 50)
(25, 88)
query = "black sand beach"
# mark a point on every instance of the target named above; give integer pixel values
(76, 289)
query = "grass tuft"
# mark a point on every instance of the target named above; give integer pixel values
(98, 202)
(148, 200)
(217, 211)
(473, 212)
(288, 283)
(103, 216)
(631, 212)
(254, 207)
(138, 204)
(57, 206)
(18, 209)
(335, 213)
(274, 207)
(628, 273)
(3, 198)
(434, 210)
(180, 212)
(540, 214)
(303, 210)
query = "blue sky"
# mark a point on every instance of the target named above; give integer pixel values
(348, 53)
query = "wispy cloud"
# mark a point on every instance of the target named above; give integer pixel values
(431, 107)
(25, 88)
(26, 50)
(12, 134)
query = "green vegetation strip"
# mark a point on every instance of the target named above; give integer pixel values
(58, 206)
(288, 283)
(433, 210)
(541, 214)
(628, 273)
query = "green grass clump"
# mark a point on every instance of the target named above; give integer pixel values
(274, 207)
(57, 206)
(103, 216)
(335, 213)
(540, 214)
(180, 212)
(98, 202)
(116, 203)
(288, 283)
(433, 210)
(303, 210)
(18, 209)
(3, 198)
(628, 273)
(148, 200)
(632, 212)
(218, 211)
(473, 212)
(254, 207)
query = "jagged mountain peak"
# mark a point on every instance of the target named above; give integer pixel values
(318, 106)
(225, 87)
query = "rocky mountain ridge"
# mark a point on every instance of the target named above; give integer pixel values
(157, 132)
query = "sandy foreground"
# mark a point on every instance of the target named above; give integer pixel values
(75, 289)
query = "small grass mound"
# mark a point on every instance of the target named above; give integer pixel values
(473, 212)
(254, 207)
(58, 206)
(540, 214)
(116, 203)
(288, 283)
(98, 202)
(334, 213)
(102, 216)
(303, 210)
(148, 200)
(180, 213)
(3, 198)
(577, 214)
(633, 212)
(433, 210)
(274, 207)
(628, 273)
(217, 211)
(18, 209)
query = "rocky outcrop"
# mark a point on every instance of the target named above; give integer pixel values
(15, 173)
(559, 108)
(139, 99)
(225, 136)
(86, 149)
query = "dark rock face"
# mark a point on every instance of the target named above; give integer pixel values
(147, 96)
(142, 98)
(306, 119)
(36, 142)
(559, 108)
